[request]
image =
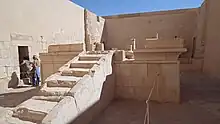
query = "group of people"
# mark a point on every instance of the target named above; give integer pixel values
(31, 70)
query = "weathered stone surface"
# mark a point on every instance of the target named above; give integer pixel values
(89, 58)
(135, 80)
(77, 72)
(64, 112)
(48, 98)
(33, 110)
(158, 54)
(82, 92)
(83, 64)
(119, 55)
(66, 48)
(63, 81)
(54, 91)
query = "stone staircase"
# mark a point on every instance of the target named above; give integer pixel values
(66, 94)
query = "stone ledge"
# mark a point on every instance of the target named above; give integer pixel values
(64, 112)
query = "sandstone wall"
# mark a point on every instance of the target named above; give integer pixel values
(94, 26)
(24, 21)
(212, 42)
(200, 33)
(42, 18)
(134, 80)
(57, 56)
(121, 28)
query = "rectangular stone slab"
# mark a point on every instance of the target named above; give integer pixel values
(89, 57)
(48, 98)
(77, 72)
(63, 81)
(33, 110)
(53, 91)
(82, 65)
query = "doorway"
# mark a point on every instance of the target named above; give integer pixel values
(23, 52)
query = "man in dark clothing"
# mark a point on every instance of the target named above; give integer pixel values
(25, 68)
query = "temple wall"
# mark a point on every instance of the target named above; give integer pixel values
(62, 18)
(168, 24)
(23, 23)
(212, 42)
(57, 56)
(94, 26)
(200, 33)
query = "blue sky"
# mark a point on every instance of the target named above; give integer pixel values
(113, 7)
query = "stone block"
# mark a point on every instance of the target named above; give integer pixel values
(63, 113)
(46, 58)
(164, 44)
(83, 92)
(170, 89)
(138, 74)
(81, 64)
(89, 58)
(77, 47)
(119, 55)
(77, 72)
(158, 54)
(100, 47)
(48, 98)
(64, 47)
(33, 110)
(46, 70)
(62, 58)
(53, 48)
(125, 70)
(63, 81)
(53, 91)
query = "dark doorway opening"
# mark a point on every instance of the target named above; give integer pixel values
(23, 53)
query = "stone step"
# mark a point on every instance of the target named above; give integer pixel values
(77, 72)
(97, 52)
(83, 64)
(63, 81)
(48, 98)
(90, 57)
(33, 110)
(53, 91)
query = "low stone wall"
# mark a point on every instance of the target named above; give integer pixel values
(195, 65)
(135, 79)
(107, 95)
(51, 62)
(57, 56)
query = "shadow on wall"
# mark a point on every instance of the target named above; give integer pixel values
(13, 83)
(107, 95)
(104, 36)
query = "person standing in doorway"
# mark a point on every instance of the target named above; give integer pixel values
(36, 64)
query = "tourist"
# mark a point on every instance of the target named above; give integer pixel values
(25, 68)
(36, 67)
